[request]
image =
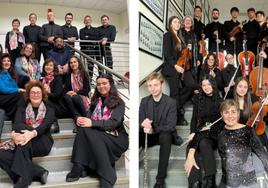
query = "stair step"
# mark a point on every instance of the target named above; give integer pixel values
(57, 180)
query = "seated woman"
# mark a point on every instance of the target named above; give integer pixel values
(76, 88)
(205, 111)
(30, 137)
(54, 87)
(101, 138)
(10, 94)
(210, 67)
(27, 67)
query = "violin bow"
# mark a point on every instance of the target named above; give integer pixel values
(145, 163)
(230, 83)
(207, 127)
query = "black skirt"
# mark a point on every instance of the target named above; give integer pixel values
(98, 150)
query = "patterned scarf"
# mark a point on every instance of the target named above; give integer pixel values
(30, 121)
(48, 79)
(106, 114)
(14, 38)
(30, 116)
(29, 67)
(77, 85)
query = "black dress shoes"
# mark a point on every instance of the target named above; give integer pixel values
(55, 128)
(76, 172)
(22, 183)
(43, 177)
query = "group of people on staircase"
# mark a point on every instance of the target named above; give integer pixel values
(34, 98)
(225, 91)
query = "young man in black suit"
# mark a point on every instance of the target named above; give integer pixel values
(157, 118)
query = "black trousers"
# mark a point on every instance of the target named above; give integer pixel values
(181, 91)
(164, 139)
(18, 163)
(44, 50)
(9, 103)
(2, 117)
(75, 104)
(106, 53)
(99, 151)
(14, 54)
(37, 51)
(205, 159)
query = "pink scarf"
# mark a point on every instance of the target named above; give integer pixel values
(48, 79)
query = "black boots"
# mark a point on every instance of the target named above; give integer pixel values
(180, 117)
(43, 177)
(209, 182)
(55, 128)
(22, 183)
(160, 184)
(76, 172)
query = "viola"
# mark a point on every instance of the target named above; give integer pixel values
(184, 60)
(237, 29)
(202, 47)
(246, 59)
(220, 56)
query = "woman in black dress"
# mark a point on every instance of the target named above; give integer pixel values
(30, 137)
(76, 88)
(101, 138)
(205, 111)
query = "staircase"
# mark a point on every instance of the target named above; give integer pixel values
(176, 176)
(58, 162)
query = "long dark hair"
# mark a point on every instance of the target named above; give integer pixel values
(112, 100)
(247, 98)
(11, 70)
(81, 68)
(205, 65)
(175, 36)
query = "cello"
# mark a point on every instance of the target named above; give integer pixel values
(259, 85)
(246, 58)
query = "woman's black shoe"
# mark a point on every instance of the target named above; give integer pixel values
(76, 172)
(55, 128)
(105, 184)
(21, 183)
(209, 182)
(43, 177)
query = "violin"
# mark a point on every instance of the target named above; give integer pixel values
(259, 85)
(184, 60)
(237, 29)
(246, 59)
(202, 47)
(220, 56)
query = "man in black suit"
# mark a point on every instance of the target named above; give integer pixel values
(157, 118)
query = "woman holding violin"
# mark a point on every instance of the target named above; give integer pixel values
(172, 46)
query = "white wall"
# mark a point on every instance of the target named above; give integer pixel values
(9, 11)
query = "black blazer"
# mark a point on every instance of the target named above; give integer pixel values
(170, 54)
(167, 118)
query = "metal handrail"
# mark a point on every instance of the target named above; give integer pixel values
(99, 41)
(144, 79)
(124, 79)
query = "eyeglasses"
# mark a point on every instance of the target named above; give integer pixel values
(35, 93)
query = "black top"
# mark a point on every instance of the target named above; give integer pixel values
(199, 28)
(31, 33)
(228, 72)
(7, 45)
(68, 86)
(69, 31)
(235, 148)
(252, 29)
(188, 37)
(115, 121)
(170, 54)
(167, 118)
(44, 128)
(209, 31)
(88, 33)
(108, 32)
(227, 28)
(56, 89)
(48, 30)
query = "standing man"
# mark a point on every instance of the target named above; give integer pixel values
(48, 32)
(106, 34)
(233, 41)
(199, 27)
(31, 34)
(90, 48)
(70, 32)
(212, 29)
(252, 30)
(157, 118)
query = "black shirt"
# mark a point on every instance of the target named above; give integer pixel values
(199, 28)
(69, 31)
(48, 30)
(252, 29)
(31, 33)
(107, 32)
(88, 33)
(209, 31)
